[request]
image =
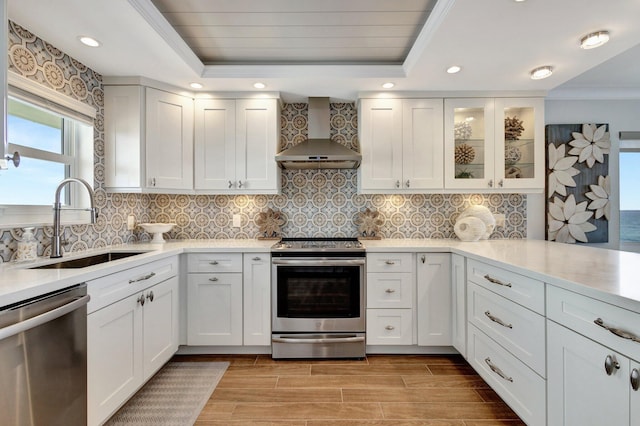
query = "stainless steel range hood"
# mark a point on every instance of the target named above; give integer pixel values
(318, 152)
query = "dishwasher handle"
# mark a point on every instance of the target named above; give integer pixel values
(38, 320)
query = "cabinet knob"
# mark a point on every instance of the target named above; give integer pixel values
(140, 300)
(635, 379)
(240, 184)
(214, 279)
(230, 184)
(256, 259)
(389, 328)
(408, 183)
(491, 183)
(390, 291)
(610, 365)
(501, 183)
(397, 184)
(423, 258)
(214, 262)
(150, 296)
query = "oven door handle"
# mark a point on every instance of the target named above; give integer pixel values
(318, 340)
(319, 262)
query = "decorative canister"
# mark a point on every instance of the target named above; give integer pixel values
(27, 247)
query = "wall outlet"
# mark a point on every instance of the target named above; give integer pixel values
(237, 221)
(131, 222)
(499, 219)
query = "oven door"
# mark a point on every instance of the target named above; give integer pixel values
(318, 295)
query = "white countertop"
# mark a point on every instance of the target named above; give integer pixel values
(609, 275)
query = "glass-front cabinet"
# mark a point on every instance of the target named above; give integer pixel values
(494, 143)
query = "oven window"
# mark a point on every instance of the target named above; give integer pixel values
(318, 292)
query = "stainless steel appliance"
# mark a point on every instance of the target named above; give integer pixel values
(43, 360)
(318, 298)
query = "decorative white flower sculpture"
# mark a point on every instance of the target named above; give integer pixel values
(600, 197)
(562, 171)
(591, 144)
(568, 220)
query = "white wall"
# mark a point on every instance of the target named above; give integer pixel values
(621, 115)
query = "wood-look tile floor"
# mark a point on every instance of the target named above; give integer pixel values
(381, 390)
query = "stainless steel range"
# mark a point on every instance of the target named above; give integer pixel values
(318, 298)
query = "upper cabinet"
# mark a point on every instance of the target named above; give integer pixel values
(148, 140)
(4, 30)
(235, 146)
(401, 144)
(494, 143)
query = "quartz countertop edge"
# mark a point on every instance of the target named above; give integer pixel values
(607, 275)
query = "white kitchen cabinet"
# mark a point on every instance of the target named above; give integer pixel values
(235, 146)
(390, 299)
(479, 154)
(130, 338)
(459, 304)
(257, 299)
(148, 140)
(4, 31)
(433, 302)
(402, 145)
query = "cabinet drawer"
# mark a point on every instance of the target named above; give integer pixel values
(389, 290)
(580, 313)
(389, 326)
(522, 290)
(111, 288)
(520, 387)
(517, 329)
(215, 262)
(390, 262)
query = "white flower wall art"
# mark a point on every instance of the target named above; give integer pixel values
(578, 182)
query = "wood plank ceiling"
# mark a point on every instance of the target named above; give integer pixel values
(298, 31)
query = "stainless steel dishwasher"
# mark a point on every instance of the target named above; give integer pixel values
(43, 360)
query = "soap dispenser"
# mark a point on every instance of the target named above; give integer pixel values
(27, 247)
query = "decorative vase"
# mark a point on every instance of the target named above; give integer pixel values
(27, 247)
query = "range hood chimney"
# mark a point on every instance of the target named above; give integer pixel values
(318, 152)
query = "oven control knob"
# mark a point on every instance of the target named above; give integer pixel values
(348, 244)
(287, 246)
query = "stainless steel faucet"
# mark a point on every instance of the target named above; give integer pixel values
(56, 250)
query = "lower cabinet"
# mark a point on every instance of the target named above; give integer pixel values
(127, 342)
(458, 304)
(229, 299)
(434, 299)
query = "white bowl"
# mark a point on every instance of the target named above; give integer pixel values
(157, 229)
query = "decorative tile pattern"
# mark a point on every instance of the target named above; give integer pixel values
(314, 203)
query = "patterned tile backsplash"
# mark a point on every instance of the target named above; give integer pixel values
(314, 203)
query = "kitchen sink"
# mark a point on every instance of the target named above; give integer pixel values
(83, 262)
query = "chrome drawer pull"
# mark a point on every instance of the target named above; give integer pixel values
(214, 279)
(496, 370)
(389, 328)
(635, 379)
(389, 290)
(215, 262)
(496, 281)
(390, 262)
(497, 320)
(146, 277)
(609, 364)
(255, 259)
(617, 331)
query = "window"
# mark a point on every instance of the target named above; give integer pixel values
(629, 195)
(54, 142)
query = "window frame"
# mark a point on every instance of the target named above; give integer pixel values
(79, 162)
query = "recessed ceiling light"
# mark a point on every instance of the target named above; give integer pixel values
(388, 85)
(195, 85)
(259, 85)
(89, 41)
(541, 72)
(594, 40)
(453, 69)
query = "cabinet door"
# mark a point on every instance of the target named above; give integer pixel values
(579, 390)
(257, 139)
(214, 309)
(215, 144)
(389, 326)
(434, 299)
(123, 108)
(459, 304)
(257, 299)
(169, 140)
(635, 393)
(390, 290)
(469, 143)
(519, 154)
(114, 357)
(380, 129)
(160, 325)
(422, 143)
